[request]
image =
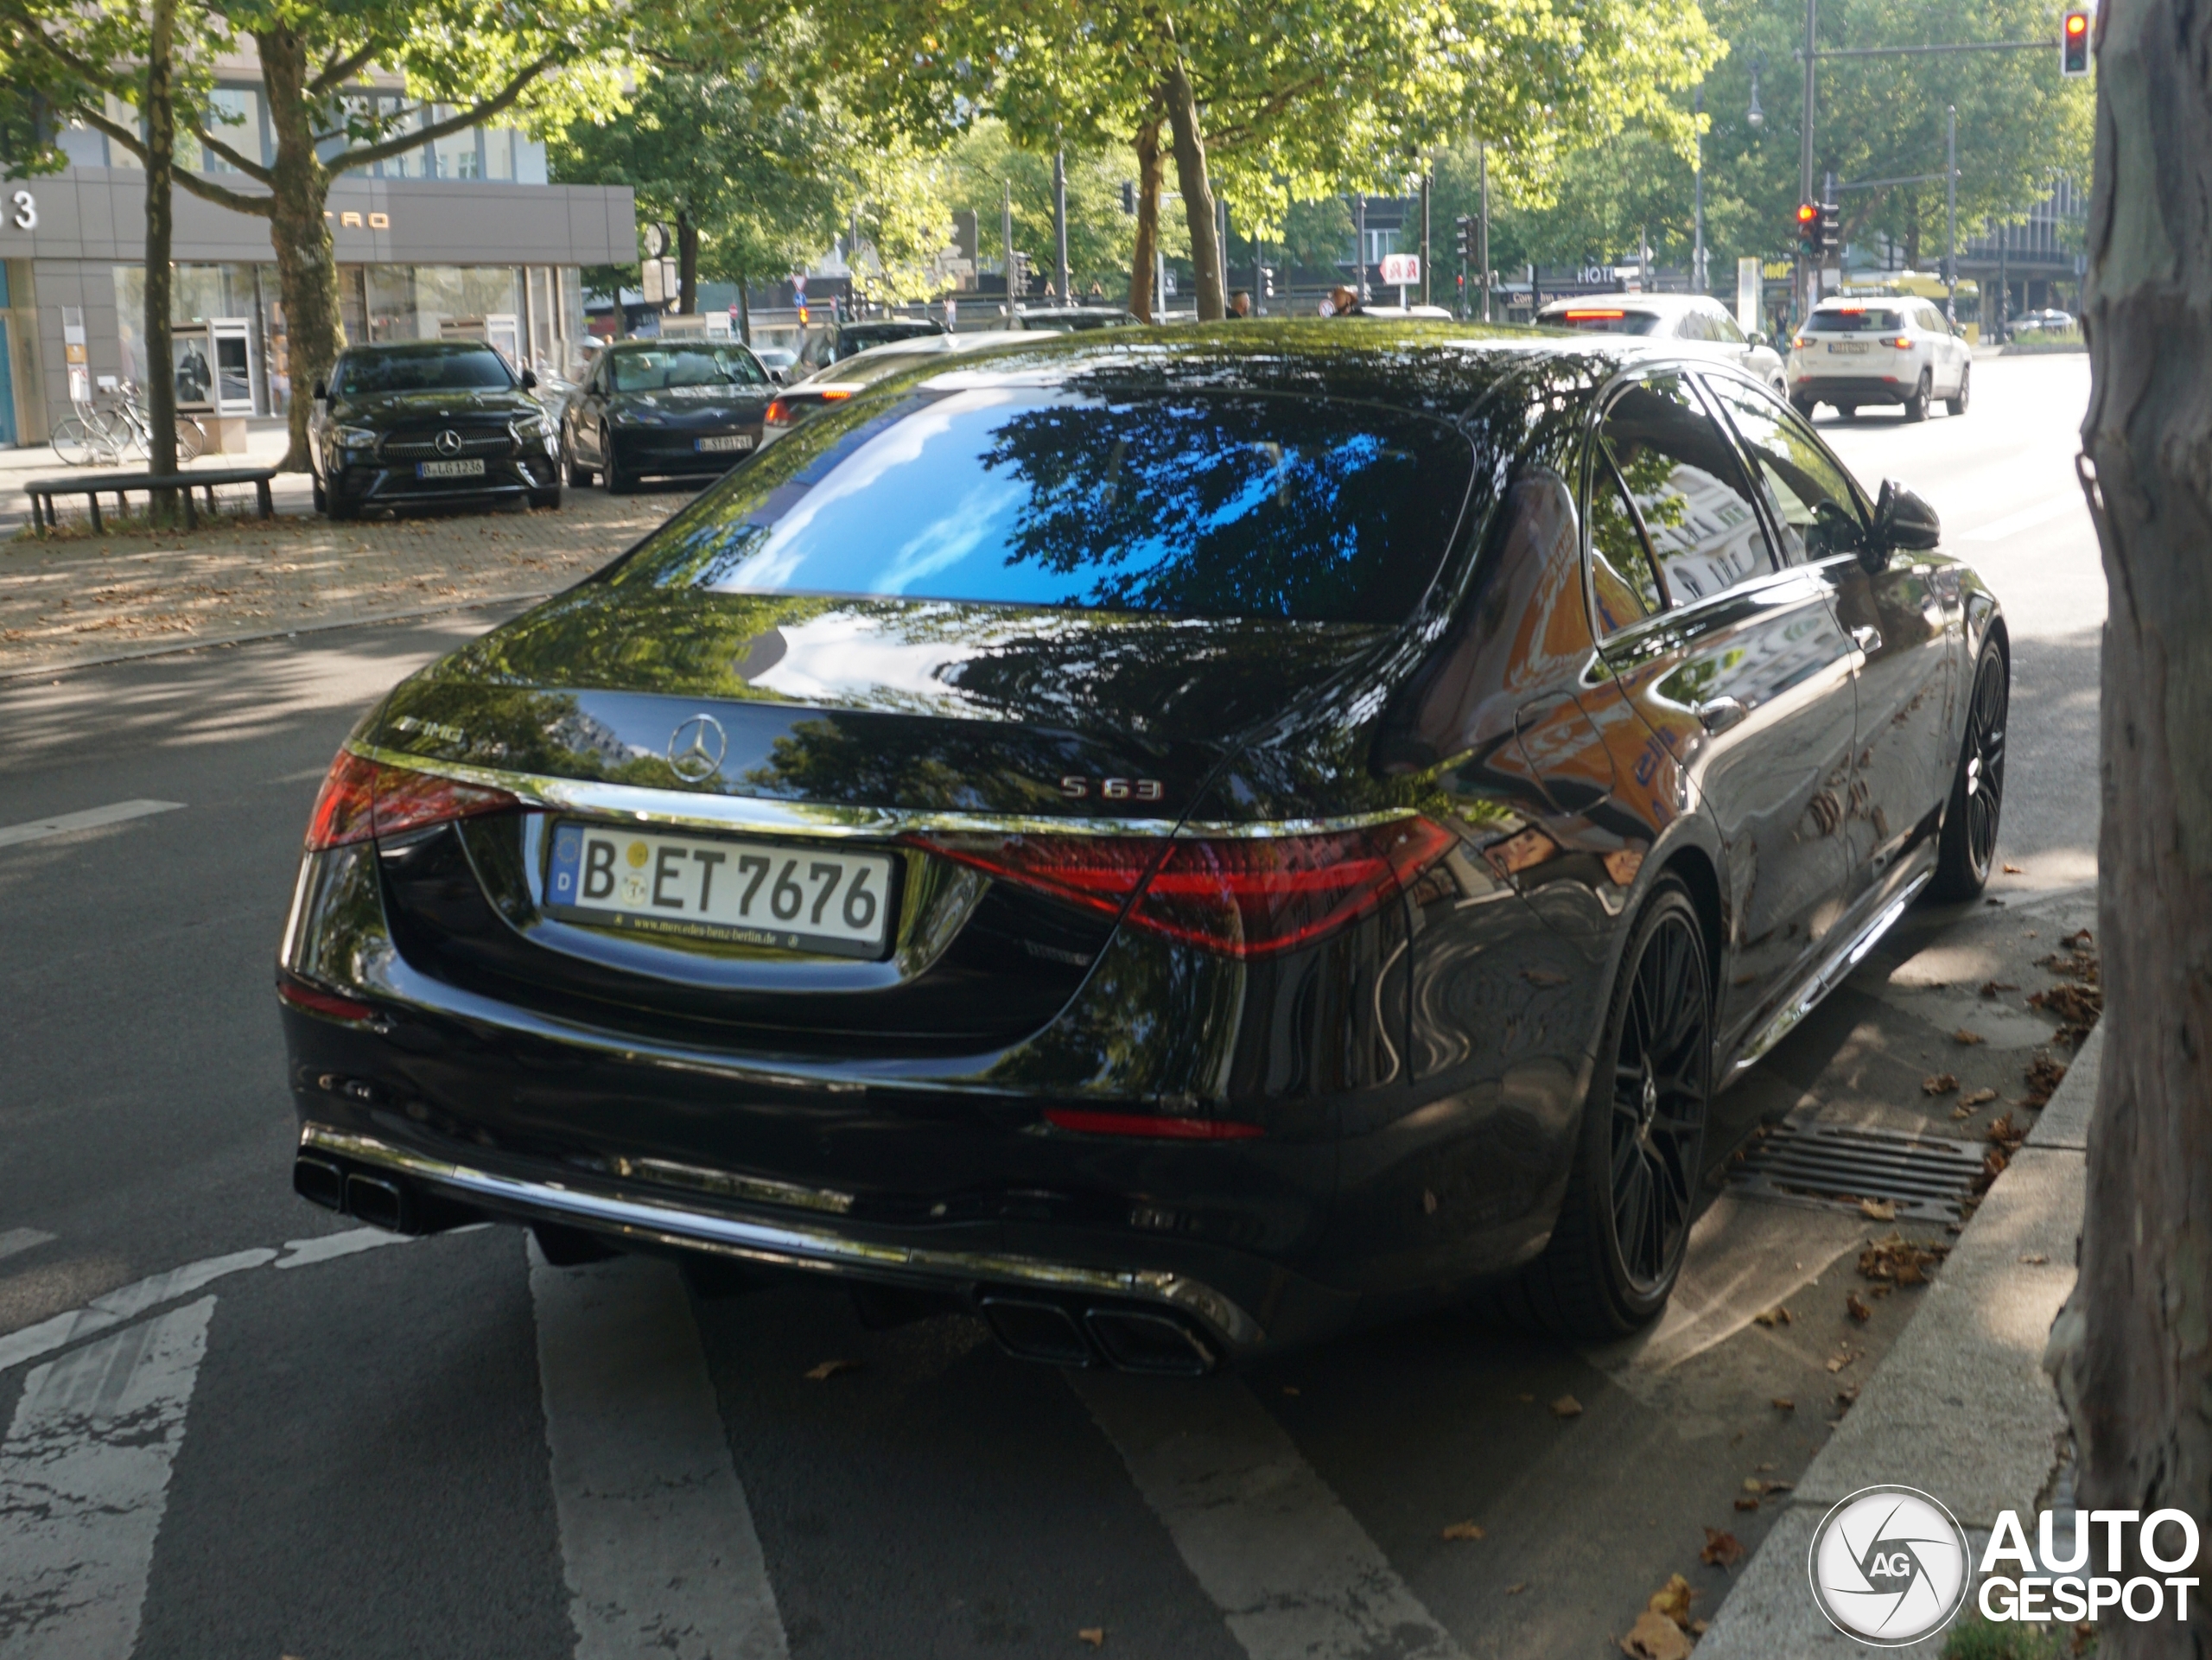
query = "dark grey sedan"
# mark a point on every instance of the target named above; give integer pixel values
(655, 409)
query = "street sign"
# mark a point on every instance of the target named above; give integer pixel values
(1400, 269)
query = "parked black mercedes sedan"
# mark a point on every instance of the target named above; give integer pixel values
(673, 409)
(420, 422)
(1176, 840)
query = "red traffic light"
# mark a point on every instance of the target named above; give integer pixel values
(2074, 45)
(1806, 213)
(2077, 23)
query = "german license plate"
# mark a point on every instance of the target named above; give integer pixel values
(725, 440)
(470, 469)
(1853, 348)
(787, 896)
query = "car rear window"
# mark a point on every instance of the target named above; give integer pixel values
(666, 368)
(1855, 320)
(444, 368)
(1214, 504)
(1605, 320)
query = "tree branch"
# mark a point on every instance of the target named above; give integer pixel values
(338, 70)
(223, 196)
(366, 155)
(252, 169)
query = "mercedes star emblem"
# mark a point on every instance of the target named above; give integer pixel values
(447, 443)
(695, 749)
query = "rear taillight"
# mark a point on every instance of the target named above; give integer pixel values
(777, 414)
(1242, 896)
(361, 799)
(1903, 343)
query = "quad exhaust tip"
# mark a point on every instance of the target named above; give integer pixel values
(1130, 1340)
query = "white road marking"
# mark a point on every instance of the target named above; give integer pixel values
(15, 1240)
(121, 1304)
(305, 1253)
(657, 1542)
(84, 1478)
(2028, 518)
(91, 818)
(1293, 1573)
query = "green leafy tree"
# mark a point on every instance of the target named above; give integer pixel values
(984, 159)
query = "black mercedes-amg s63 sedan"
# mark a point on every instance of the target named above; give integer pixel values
(1178, 841)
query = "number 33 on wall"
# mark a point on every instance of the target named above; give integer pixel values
(25, 218)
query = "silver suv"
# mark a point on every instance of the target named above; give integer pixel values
(1897, 350)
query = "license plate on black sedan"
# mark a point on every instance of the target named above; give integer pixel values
(725, 440)
(786, 896)
(468, 469)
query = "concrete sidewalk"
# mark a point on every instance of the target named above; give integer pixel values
(1960, 1408)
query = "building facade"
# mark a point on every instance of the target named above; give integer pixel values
(461, 237)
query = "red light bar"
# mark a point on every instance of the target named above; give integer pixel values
(318, 1002)
(1577, 317)
(1146, 1124)
(1852, 311)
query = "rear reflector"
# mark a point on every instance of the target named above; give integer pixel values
(361, 799)
(316, 1001)
(1147, 1123)
(1242, 896)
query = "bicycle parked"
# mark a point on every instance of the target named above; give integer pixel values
(94, 435)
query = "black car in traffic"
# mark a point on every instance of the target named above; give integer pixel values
(414, 424)
(650, 409)
(1178, 841)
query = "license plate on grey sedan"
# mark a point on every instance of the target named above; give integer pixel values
(471, 469)
(725, 440)
(786, 896)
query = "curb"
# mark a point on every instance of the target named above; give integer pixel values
(1961, 1406)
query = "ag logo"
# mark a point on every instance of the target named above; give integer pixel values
(1888, 1565)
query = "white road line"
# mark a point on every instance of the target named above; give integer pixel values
(2028, 518)
(91, 818)
(657, 1542)
(121, 1304)
(323, 1248)
(1291, 1569)
(83, 1477)
(15, 1240)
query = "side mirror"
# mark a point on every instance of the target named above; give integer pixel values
(779, 377)
(1903, 523)
(321, 392)
(529, 380)
(1756, 339)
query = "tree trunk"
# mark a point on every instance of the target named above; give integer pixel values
(2134, 1353)
(1912, 237)
(1197, 191)
(160, 163)
(687, 265)
(1142, 301)
(307, 264)
(743, 310)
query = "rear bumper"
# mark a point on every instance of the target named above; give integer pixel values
(1852, 389)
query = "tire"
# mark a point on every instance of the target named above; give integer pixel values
(1624, 1227)
(546, 501)
(1957, 403)
(321, 500)
(1916, 407)
(1849, 411)
(578, 476)
(71, 441)
(618, 481)
(1803, 406)
(1967, 851)
(191, 439)
(334, 505)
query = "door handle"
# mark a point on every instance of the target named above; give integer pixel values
(1719, 714)
(1867, 638)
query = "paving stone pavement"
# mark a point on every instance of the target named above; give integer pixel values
(67, 601)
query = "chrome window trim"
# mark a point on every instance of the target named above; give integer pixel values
(786, 1244)
(730, 812)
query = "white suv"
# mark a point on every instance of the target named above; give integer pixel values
(1674, 317)
(1897, 350)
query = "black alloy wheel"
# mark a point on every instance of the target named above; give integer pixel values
(1916, 407)
(1624, 1226)
(618, 481)
(1967, 852)
(578, 476)
(1957, 404)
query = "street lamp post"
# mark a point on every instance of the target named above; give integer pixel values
(1805, 142)
(1698, 283)
(1060, 222)
(1951, 215)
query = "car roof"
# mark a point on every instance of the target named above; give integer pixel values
(418, 348)
(1635, 301)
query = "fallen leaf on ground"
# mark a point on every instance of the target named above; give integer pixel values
(1654, 1637)
(1991, 988)
(2014, 870)
(1777, 1315)
(1847, 1395)
(1672, 1601)
(1516, 1587)
(1463, 1531)
(1747, 1503)
(830, 1369)
(1993, 1165)
(1879, 1210)
(1855, 1306)
(1938, 1084)
(1094, 1635)
(2042, 1077)
(2035, 1261)
(1566, 1407)
(1721, 1549)
(2005, 1135)
(1898, 1261)
(1753, 1485)
(1783, 1404)
(1960, 1112)
(1964, 1036)
(1978, 1098)
(2078, 1005)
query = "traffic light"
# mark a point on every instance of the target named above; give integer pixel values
(1267, 282)
(1129, 197)
(1808, 227)
(1831, 228)
(2073, 44)
(1463, 230)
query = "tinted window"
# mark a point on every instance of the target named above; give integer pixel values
(438, 368)
(1604, 320)
(1807, 491)
(1209, 504)
(1857, 320)
(669, 368)
(1688, 487)
(1622, 578)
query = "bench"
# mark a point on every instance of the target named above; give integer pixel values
(92, 486)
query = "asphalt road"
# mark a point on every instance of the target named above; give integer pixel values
(236, 1428)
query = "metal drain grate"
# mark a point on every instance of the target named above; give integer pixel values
(1924, 1176)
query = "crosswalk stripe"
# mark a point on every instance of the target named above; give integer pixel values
(84, 1478)
(91, 818)
(115, 1306)
(657, 1542)
(22, 1239)
(1290, 1568)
